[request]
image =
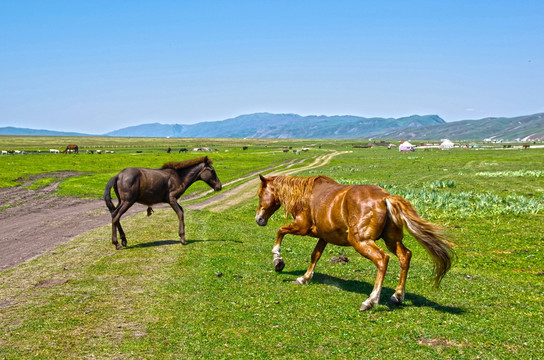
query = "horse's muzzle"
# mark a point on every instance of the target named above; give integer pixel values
(261, 221)
(218, 187)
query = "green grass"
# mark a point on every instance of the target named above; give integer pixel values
(219, 297)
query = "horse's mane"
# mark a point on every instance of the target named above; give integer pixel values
(187, 163)
(294, 192)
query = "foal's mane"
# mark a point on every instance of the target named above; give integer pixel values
(294, 192)
(187, 163)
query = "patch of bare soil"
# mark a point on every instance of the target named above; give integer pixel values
(35, 221)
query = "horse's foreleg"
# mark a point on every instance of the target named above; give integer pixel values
(179, 211)
(316, 254)
(393, 240)
(278, 260)
(371, 251)
(294, 228)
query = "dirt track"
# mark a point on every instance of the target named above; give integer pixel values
(37, 220)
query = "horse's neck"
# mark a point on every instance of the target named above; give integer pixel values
(292, 196)
(190, 175)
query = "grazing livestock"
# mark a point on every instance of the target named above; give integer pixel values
(72, 148)
(153, 186)
(54, 151)
(183, 150)
(351, 215)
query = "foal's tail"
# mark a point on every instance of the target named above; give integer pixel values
(107, 193)
(429, 235)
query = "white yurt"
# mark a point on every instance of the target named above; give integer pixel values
(446, 145)
(406, 146)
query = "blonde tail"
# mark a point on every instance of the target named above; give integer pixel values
(429, 235)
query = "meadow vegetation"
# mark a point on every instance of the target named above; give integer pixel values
(219, 297)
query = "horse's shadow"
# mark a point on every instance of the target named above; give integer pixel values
(173, 242)
(365, 288)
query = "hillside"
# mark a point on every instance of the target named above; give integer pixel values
(522, 128)
(282, 126)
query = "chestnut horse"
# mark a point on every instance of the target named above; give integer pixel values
(71, 148)
(351, 215)
(153, 186)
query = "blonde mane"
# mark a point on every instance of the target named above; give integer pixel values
(184, 164)
(294, 192)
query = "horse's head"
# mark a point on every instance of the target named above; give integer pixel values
(268, 201)
(209, 176)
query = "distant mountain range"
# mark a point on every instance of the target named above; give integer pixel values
(284, 126)
(10, 130)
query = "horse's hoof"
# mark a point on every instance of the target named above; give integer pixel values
(394, 301)
(279, 265)
(300, 281)
(366, 306)
(118, 247)
(183, 242)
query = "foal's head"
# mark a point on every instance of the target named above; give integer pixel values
(209, 176)
(268, 201)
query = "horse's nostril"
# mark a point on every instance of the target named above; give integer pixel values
(261, 221)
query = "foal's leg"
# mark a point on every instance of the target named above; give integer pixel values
(316, 254)
(179, 211)
(371, 251)
(116, 224)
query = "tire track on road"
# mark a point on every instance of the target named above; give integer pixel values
(248, 189)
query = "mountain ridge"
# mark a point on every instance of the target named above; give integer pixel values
(285, 126)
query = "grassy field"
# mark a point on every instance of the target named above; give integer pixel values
(219, 297)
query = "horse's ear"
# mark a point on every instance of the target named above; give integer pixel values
(263, 179)
(207, 160)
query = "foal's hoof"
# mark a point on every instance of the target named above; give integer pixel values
(279, 264)
(182, 240)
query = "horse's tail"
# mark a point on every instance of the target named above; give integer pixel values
(429, 235)
(107, 193)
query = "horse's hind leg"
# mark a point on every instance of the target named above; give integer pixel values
(371, 251)
(316, 254)
(116, 224)
(393, 239)
(122, 234)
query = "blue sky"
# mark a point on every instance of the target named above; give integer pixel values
(97, 66)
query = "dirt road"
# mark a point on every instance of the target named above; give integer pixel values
(37, 220)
